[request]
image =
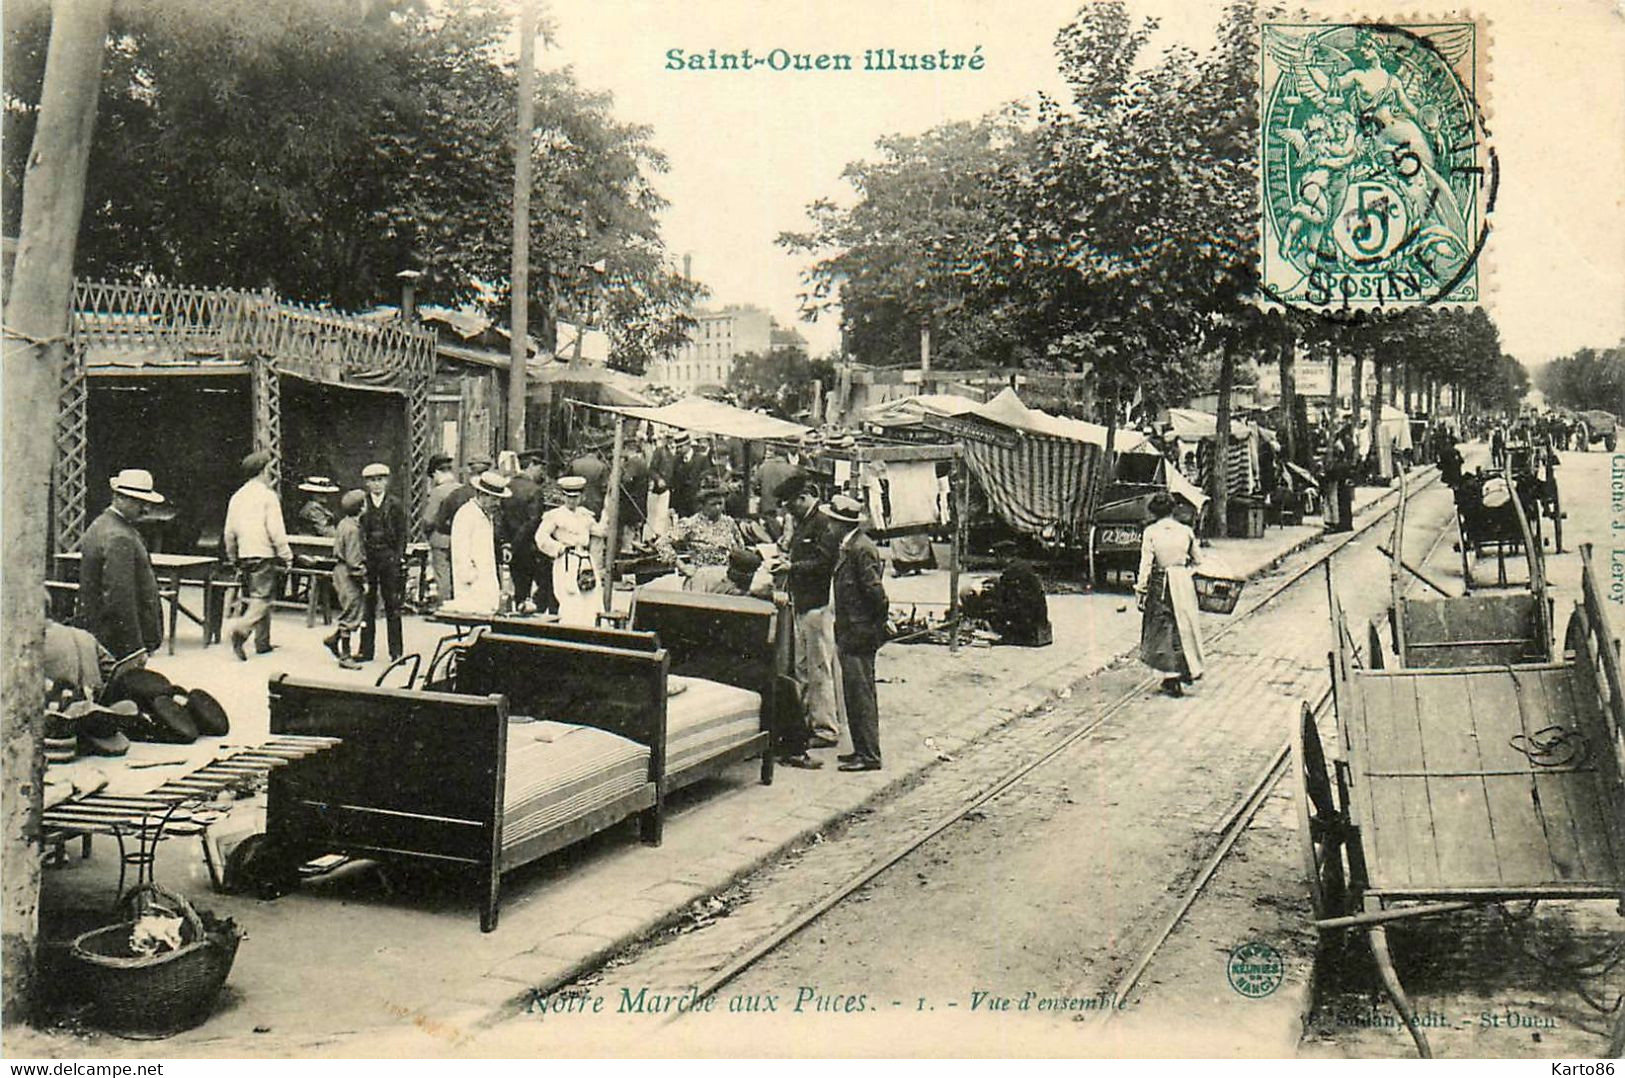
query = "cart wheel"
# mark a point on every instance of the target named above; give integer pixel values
(1321, 833)
(261, 867)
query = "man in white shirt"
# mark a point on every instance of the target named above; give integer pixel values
(257, 541)
(477, 585)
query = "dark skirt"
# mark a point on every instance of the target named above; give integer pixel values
(1160, 648)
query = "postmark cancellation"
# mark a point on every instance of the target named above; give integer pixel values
(1377, 176)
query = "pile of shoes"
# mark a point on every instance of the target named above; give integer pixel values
(138, 705)
(166, 713)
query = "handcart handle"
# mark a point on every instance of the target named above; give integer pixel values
(414, 658)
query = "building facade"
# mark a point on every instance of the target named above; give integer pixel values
(719, 338)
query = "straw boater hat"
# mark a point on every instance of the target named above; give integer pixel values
(842, 509)
(136, 483)
(492, 483)
(572, 484)
(372, 471)
(318, 484)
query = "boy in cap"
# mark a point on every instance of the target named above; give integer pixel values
(257, 541)
(349, 577)
(383, 537)
(118, 593)
(738, 577)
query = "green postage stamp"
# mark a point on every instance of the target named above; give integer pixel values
(1377, 176)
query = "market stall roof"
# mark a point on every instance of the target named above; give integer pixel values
(1192, 425)
(614, 387)
(1007, 410)
(715, 417)
(921, 404)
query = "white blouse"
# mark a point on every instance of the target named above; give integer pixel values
(1165, 544)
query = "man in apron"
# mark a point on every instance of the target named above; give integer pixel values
(568, 534)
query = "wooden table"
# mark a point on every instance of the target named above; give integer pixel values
(171, 567)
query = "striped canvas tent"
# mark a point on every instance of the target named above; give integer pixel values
(1037, 470)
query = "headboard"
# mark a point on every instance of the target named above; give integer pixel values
(579, 634)
(421, 769)
(611, 689)
(726, 638)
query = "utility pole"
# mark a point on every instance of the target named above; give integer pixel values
(36, 327)
(519, 274)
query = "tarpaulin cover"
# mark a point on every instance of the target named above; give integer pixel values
(714, 417)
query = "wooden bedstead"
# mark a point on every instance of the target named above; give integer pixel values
(728, 640)
(446, 777)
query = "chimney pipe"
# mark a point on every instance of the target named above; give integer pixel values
(409, 285)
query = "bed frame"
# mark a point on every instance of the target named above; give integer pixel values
(736, 640)
(420, 774)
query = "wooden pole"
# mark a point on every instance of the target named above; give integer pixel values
(960, 501)
(36, 327)
(1221, 441)
(612, 513)
(519, 271)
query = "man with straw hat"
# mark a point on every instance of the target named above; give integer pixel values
(477, 583)
(858, 595)
(316, 516)
(118, 593)
(257, 541)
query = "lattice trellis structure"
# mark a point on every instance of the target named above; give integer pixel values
(266, 387)
(162, 325)
(72, 422)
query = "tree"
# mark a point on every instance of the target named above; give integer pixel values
(782, 382)
(318, 148)
(903, 253)
(36, 327)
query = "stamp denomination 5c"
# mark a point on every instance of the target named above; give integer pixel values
(1377, 174)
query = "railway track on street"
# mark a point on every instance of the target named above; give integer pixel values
(735, 939)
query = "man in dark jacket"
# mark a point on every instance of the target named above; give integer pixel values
(812, 560)
(383, 537)
(860, 628)
(691, 472)
(118, 593)
(521, 512)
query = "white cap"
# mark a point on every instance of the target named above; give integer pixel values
(373, 470)
(572, 484)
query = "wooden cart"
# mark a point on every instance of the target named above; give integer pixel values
(1466, 787)
(1497, 525)
(1444, 631)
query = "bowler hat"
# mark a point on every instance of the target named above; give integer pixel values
(255, 463)
(207, 714)
(135, 483)
(793, 487)
(171, 723)
(439, 463)
(742, 559)
(138, 684)
(842, 509)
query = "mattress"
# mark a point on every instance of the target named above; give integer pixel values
(558, 772)
(705, 718)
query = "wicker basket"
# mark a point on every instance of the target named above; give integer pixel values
(1217, 594)
(158, 995)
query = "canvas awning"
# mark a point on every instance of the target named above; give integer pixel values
(1007, 410)
(714, 417)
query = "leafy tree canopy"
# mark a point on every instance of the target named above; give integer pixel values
(318, 147)
(781, 381)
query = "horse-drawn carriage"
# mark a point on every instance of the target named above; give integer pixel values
(1481, 769)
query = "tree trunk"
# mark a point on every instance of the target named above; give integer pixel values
(36, 322)
(1409, 377)
(519, 269)
(1103, 469)
(1355, 400)
(1221, 455)
(1289, 397)
(1337, 362)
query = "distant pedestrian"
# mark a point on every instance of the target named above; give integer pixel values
(473, 546)
(1170, 635)
(256, 539)
(349, 577)
(118, 593)
(383, 537)
(861, 608)
(442, 481)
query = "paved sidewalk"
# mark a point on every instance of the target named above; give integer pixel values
(362, 953)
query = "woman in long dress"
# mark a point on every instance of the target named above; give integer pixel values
(1170, 637)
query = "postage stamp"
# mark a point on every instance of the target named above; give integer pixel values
(1377, 174)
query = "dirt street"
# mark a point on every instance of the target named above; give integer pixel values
(1006, 933)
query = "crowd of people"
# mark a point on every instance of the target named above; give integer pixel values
(509, 540)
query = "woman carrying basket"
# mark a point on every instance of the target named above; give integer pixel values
(1170, 637)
